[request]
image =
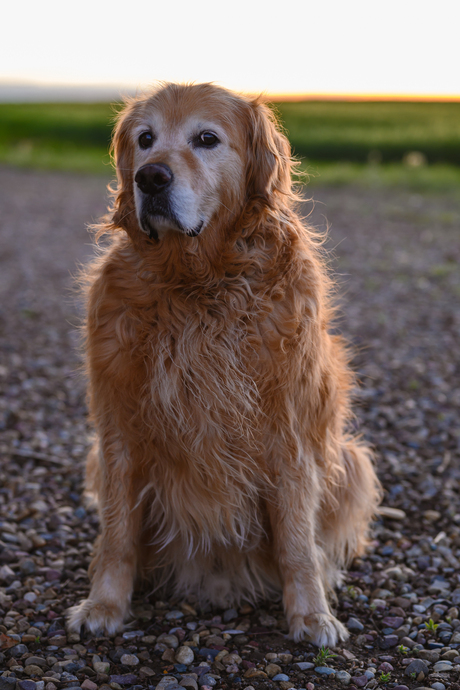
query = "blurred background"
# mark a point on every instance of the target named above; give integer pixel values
(366, 93)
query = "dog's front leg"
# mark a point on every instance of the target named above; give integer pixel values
(293, 517)
(113, 567)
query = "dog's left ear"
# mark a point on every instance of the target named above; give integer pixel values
(269, 154)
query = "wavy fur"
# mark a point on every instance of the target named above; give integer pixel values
(223, 468)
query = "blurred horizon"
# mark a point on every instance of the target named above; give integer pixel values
(12, 91)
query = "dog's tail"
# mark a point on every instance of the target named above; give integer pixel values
(350, 504)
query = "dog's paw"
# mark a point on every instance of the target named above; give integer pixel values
(319, 628)
(96, 617)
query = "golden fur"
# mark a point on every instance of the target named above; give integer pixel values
(223, 468)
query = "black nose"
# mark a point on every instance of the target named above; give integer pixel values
(153, 178)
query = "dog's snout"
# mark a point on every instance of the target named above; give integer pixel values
(153, 178)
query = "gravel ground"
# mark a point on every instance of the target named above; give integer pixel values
(396, 256)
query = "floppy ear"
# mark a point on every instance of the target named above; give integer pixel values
(124, 214)
(269, 154)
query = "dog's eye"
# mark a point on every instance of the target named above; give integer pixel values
(207, 140)
(145, 140)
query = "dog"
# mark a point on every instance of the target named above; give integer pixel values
(223, 465)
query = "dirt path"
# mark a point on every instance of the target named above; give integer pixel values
(396, 255)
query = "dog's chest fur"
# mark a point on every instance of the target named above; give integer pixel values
(191, 386)
(193, 360)
(203, 402)
(200, 375)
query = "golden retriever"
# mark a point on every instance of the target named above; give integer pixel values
(223, 467)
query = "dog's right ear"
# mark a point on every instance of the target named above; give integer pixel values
(124, 212)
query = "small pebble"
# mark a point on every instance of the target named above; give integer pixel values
(325, 671)
(33, 670)
(417, 666)
(450, 655)
(125, 679)
(304, 665)
(168, 640)
(393, 621)
(18, 650)
(229, 615)
(208, 653)
(431, 655)
(27, 566)
(354, 625)
(174, 615)
(255, 673)
(30, 597)
(88, 685)
(36, 660)
(188, 682)
(132, 634)
(27, 685)
(7, 683)
(206, 680)
(184, 655)
(343, 677)
(272, 670)
(441, 666)
(165, 682)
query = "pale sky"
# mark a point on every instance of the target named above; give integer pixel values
(325, 46)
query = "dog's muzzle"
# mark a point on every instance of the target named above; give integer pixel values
(154, 180)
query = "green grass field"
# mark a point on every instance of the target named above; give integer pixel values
(67, 136)
(338, 142)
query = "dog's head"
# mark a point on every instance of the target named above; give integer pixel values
(189, 157)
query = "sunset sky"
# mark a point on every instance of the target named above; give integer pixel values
(323, 47)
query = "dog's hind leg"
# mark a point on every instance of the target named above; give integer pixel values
(113, 568)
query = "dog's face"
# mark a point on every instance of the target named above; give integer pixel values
(182, 162)
(188, 155)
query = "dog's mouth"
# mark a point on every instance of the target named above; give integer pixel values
(155, 222)
(194, 232)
